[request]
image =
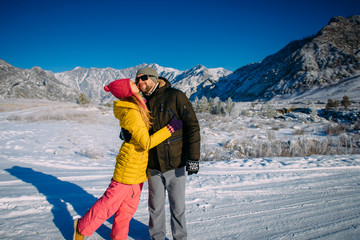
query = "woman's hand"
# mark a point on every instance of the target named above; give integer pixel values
(174, 124)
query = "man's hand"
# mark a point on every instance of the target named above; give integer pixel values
(125, 135)
(192, 167)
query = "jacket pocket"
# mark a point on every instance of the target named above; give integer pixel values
(174, 148)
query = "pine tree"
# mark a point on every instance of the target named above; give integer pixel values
(331, 104)
(345, 102)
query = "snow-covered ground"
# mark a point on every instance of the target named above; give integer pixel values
(56, 159)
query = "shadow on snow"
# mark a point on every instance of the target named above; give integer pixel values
(58, 193)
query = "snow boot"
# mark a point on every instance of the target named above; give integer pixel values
(77, 235)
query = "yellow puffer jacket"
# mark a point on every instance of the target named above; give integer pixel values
(132, 160)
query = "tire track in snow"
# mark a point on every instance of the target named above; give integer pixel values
(303, 212)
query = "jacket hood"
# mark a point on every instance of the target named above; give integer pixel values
(125, 104)
(121, 107)
(163, 82)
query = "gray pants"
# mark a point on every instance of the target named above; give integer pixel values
(173, 182)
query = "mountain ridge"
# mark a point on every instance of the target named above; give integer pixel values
(322, 59)
(308, 68)
(91, 81)
(33, 83)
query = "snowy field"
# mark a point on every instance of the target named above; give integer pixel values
(57, 158)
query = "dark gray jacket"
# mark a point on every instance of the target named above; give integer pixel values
(184, 144)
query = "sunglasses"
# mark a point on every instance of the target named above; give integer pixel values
(143, 77)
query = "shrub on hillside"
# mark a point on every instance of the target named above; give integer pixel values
(345, 102)
(331, 104)
(83, 99)
(213, 106)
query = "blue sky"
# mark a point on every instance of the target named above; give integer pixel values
(61, 35)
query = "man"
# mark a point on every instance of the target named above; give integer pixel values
(169, 161)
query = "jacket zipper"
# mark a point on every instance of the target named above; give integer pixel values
(172, 140)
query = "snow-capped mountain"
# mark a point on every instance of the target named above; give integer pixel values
(198, 77)
(323, 66)
(67, 86)
(91, 81)
(33, 83)
(311, 64)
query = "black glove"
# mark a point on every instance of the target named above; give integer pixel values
(192, 167)
(125, 135)
(175, 123)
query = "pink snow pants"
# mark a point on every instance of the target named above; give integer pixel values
(119, 198)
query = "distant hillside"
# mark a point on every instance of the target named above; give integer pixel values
(67, 86)
(326, 65)
(323, 60)
(33, 83)
(91, 81)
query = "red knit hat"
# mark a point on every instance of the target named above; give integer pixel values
(121, 88)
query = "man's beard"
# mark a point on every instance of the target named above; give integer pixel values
(145, 90)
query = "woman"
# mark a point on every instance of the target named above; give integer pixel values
(122, 196)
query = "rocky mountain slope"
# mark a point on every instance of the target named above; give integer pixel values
(67, 86)
(314, 68)
(33, 83)
(91, 81)
(319, 61)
